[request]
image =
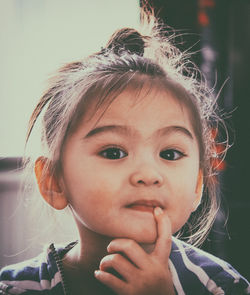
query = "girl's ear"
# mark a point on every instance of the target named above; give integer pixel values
(198, 190)
(49, 186)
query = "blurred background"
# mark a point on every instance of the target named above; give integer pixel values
(38, 36)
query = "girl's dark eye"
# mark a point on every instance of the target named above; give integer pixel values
(113, 153)
(171, 155)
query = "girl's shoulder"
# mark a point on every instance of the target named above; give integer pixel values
(40, 273)
(193, 267)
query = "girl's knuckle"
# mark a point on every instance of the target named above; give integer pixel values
(130, 244)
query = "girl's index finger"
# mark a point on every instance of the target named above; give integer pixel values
(164, 238)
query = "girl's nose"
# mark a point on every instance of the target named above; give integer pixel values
(146, 177)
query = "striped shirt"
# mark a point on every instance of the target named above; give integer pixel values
(194, 272)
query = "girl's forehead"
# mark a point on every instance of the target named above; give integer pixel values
(132, 94)
(132, 106)
(132, 97)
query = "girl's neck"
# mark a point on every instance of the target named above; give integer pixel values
(87, 254)
(81, 262)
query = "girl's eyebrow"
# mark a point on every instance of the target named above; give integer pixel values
(175, 129)
(128, 130)
(109, 128)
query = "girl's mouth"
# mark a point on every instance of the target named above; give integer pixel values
(142, 208)
(145, 205)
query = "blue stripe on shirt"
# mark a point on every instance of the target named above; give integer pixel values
(189, 281)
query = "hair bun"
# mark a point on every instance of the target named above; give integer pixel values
(126, 39)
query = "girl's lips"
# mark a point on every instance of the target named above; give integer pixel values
(142, 208)
(145, 205)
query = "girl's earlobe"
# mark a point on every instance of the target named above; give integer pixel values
(49, 186)
(198, 190)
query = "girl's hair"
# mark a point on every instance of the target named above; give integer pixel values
(132, 58)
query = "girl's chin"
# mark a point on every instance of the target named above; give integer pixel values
(142, 233)
(143, 237)
(140, 237)
(146, 241)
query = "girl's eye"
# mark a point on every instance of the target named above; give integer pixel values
(113, 153)
(171, 155)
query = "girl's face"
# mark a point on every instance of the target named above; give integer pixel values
(139, 155)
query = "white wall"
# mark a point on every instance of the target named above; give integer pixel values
(38, 36)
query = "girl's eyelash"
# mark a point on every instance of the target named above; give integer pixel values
(113, 153)
(172, 154)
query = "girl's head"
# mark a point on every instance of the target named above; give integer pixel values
(130, 123)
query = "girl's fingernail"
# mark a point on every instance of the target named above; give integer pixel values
(96, 273)
(158, 211)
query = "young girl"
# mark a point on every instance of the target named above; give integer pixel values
(128, 148)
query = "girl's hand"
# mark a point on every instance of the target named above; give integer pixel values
(141, 273)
